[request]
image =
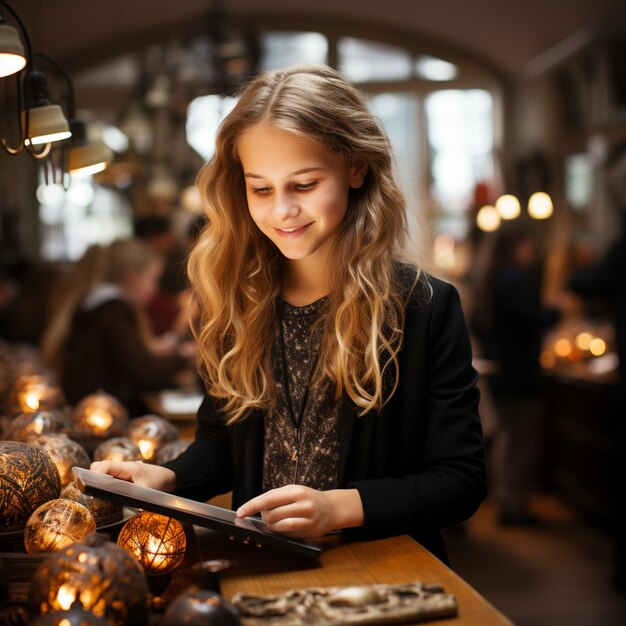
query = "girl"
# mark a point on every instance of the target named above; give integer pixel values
(98, 337)
(340, 391)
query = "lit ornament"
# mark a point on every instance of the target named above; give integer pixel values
(583, 340)
(100, 416)
(28, 478)
(150, 433)
(35, 393)
(156, 541)
(57, 524)
(563, 348)
(97, 576)
(117, 449)
(29, 424)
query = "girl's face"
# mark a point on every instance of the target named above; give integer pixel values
(141, 285)
(297, 191)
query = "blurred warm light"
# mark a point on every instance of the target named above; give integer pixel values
(508, 207)
(540, 206)
(583, 340)
(547, 359)
(597, 347)
(563, 348)
(488, 218)
(444, 251)
(51, 195)
(191, 199)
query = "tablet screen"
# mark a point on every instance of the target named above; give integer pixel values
(216, 518)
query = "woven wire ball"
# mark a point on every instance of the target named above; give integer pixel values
(29, 424)
(156, 541)
(35, 393)
(104, 511)
(57, 524)
(201, 608)
(100, 416)
(28, 478)
(97, 576)
(151, 433)
(73, 617)
(117, 449)
(64, 452)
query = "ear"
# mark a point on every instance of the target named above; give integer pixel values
(358, 171)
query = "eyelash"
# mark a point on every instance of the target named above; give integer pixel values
(298, 187)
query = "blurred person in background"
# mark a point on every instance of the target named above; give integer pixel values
(99, 338)
(509, 321)
(606, 279)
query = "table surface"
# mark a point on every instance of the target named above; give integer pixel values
(395, 560)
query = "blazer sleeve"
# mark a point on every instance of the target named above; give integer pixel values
(447, 482)
(205, 469)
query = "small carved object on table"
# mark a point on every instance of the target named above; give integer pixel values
(30, 424)
(35, 393)
(336, 606)
(117, 449)
(104, 511)
(151, 433)
(64, 452)
(99, 416)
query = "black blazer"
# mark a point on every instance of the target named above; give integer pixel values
(418, 464)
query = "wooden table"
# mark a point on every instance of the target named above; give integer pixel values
(395, 560)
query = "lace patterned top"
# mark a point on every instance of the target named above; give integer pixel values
(304, 453)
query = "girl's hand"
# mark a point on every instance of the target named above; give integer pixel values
(144, 474)
(306, 513)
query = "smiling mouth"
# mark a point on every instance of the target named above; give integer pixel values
(293, 231)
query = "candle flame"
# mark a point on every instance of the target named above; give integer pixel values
(146, 448)
(31, 400)
(66, 597)
(100, 420)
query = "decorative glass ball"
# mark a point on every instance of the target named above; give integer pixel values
(172, 450)
(64, 452)
(103, 511)
(36, 393)
(117, 449)
(201, 608)
(99, 415)
(28, 478)
(156, 541)
(57, 524)
(73, 617)
(38, 423)
(96, 575)
(151, 433)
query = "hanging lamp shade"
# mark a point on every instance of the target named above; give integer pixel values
(87, 157)
(12, 57)
(47, 123)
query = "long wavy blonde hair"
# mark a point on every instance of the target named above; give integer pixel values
(236, 271)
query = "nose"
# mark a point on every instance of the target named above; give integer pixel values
(285, 207)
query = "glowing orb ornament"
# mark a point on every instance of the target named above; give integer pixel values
(151, 433)
(156, 541)
(28, 478)
(201, 608)
(57, 524)
(64, 452)
(35, 393)
(100, 416)
(38, 423)
(103, 511)
(97, 576)
(117, 449)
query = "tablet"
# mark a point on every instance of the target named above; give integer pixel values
(250, 529)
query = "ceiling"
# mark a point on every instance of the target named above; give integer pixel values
(508, 35)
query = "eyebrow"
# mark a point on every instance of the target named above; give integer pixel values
(305, 170)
